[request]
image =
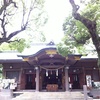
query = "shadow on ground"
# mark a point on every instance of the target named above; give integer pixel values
(94, 93)
(16, 94)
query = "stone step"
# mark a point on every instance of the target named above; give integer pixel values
(51, 96)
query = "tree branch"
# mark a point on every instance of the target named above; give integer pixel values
(29, 13)
(77, 16)
(25, 19)
(11, 35)
(14, 41)
(15, 33)
(91, 25)
(3, 24)
(6, 4)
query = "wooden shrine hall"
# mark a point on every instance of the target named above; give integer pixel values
(47, 70)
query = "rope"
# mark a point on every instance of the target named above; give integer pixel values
(52, 68)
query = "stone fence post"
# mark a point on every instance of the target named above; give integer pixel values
(85, 92)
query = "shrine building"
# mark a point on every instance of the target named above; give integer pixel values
(46, 69)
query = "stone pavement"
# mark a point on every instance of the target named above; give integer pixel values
(30, 95)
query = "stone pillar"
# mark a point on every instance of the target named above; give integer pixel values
(66, 79)
(85, 92)
(6, 94)
(37, 79)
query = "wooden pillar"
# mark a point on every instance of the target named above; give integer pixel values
(66, 79)
(21, 82)
(84, 76)
(37, 79)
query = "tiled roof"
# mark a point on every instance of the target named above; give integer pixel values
(32, 50)
(8, 56)
(28, 51)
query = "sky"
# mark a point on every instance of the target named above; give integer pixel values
(57, 11)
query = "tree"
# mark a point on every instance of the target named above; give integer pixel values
(77, 36)
(17, 45)
(75, 31)
(64, 50)
(17, 16)
(90, 24)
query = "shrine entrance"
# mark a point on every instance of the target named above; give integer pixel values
(52, 78)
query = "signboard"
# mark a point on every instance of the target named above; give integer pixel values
(88, 81)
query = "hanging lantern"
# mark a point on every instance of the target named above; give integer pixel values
(57, 72)
(46, 72)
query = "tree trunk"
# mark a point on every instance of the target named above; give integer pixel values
(90, 25)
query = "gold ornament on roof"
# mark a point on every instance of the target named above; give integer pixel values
(51, 52)
(26, 59)
(76, 57)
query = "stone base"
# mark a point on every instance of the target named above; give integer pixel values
(6, 94)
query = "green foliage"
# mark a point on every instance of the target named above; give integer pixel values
(42, 38)
(64, 50)
(37, 37)
(81, 50)
(76, 32)
(92, 10)
(16, 45)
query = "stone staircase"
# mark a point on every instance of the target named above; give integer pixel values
(50, 96)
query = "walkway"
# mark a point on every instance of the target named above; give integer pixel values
(30, 95)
